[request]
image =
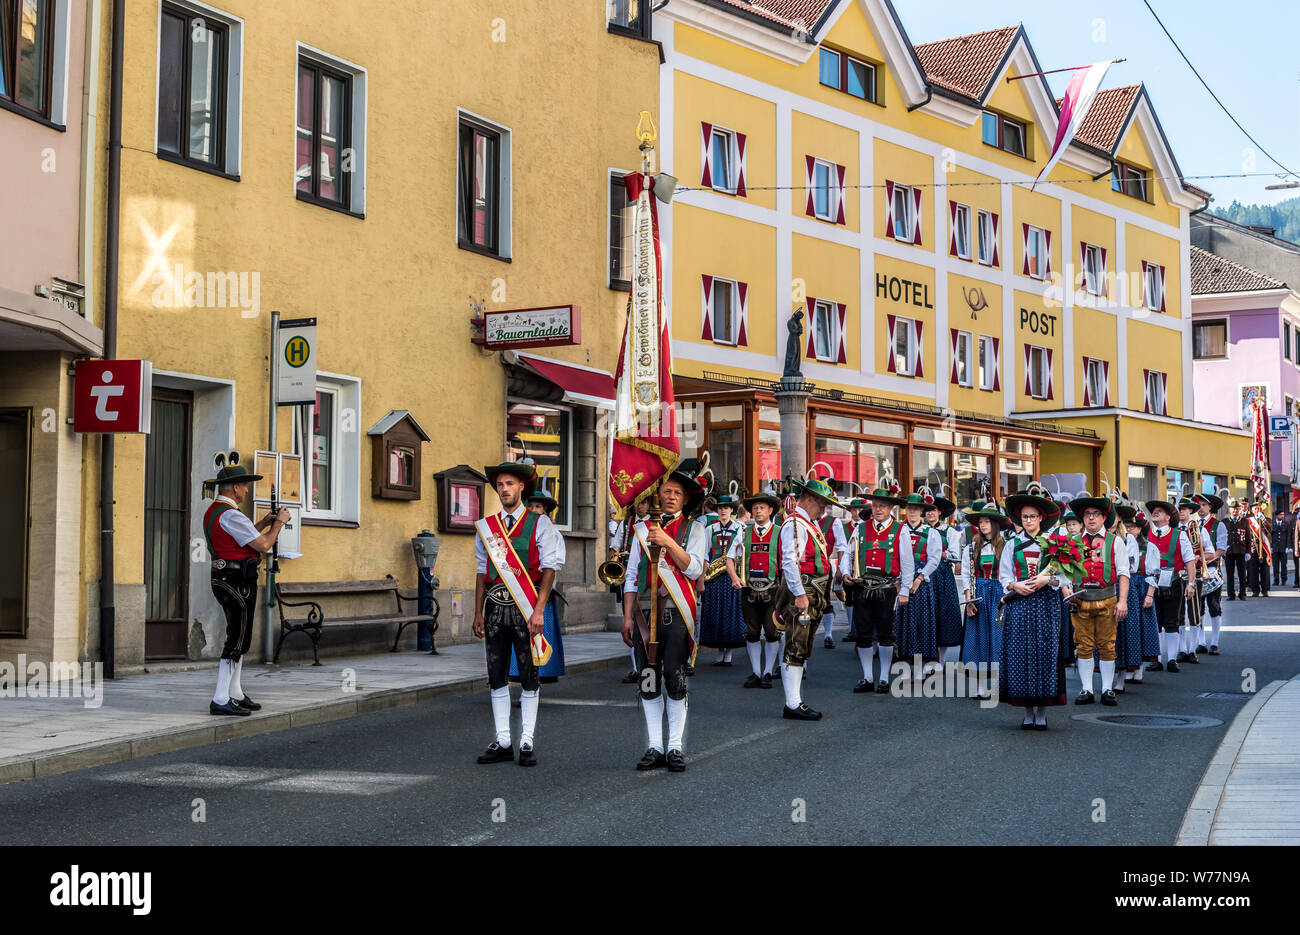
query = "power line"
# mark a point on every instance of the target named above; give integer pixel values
(1222, 106)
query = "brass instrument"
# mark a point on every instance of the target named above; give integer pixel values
(1198, 547)
(614, 570)
(715, 568)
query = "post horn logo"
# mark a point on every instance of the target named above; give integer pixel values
(975, 299)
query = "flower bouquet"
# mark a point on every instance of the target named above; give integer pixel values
(1062, 555)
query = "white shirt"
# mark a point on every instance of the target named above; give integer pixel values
(933, 552)
(697, 547)
(954, 550)
(550, 551)
(966, 580)
(737, 549)
(1146, 564)
(1007, 569)
(236, 524)
(794, 539)
(906, 564)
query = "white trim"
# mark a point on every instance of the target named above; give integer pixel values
(736, 29)
(897, 48)
(972, 359)
(505, 181)
(1066, 414)
(61, 64)
(346, 468)
(1253, 294)
(832, 189)
(358, 117)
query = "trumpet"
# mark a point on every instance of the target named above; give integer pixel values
(614, 570)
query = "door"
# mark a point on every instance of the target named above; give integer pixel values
(15, 460)
(167, 526)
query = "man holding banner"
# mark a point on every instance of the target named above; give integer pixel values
(517, 558)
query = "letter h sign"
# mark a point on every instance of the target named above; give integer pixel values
(112, 396)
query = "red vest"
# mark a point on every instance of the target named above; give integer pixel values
(874, 553)
(524, 539)
(1163, 545)
(1095, 562)
(760, 547)
(223, 544)
(808, 561)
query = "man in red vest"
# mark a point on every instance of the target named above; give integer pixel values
(753, 568)
(880, 552)
(1176, 583)
(1102, 596)
(517, 556)
(236, 545)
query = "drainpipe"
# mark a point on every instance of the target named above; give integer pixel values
(107, 608)
(1121, 482)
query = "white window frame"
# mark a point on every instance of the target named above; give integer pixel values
(906, 327)
(984, 224)
(357, 185)
(832, 189)
(732, 156)
(963, 211)
(345, 490)
(909, 214)
(234, 115)
(1094, 375)
(1038, 372)
(1094, 280)
(733, 338)
(626, 246)
(966, 342)
(505, 176)
(1038, 236)
(1155, 392)
(1151, 286)
(988, 373)
(832, 354)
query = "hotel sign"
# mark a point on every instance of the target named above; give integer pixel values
(531, 327)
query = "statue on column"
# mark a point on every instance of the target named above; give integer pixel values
(793, 344)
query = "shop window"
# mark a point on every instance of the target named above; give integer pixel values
(971, 479)
(1178, 483)
(725, 414)
(840, 455)
(877, 465)
(1212, 483)
(924, 433)
(983, 442)
(545, 434)
(727, 456)
(1210, 339)
(828, 420)
(930, 469)
(1142, 483)
(769, 456)
(884, 429)
(1014, 474)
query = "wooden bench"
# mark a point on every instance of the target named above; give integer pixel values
(315, 619)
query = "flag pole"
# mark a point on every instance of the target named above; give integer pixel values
(654, 515)
(1055, 71)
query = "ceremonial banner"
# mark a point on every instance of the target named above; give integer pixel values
(644, 444)
(1074, 107)
(1259, 479)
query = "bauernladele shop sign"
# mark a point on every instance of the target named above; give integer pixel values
(532, 327)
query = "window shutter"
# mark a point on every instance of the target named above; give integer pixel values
(740, 165)
(889, 217)
(1025, 248)
(1029, 362)
(1047, 253)
(839, 216)
(742, 288)
(997, 365)
(1087, 384)
(706, 160)
(1145, 298)
(890, 364)
(952, 228)
(1105, 284)
(1105, 376)
(811, 319)
(809, 209)
(706, 289)
(916, 230)
(1164, 394)
(1146, 387)
(1162, 287)
(995, 240)
(952, 376)
(919, 370)
(843, 311)
(1050, 394)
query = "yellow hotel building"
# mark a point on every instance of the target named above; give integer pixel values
(959, 327)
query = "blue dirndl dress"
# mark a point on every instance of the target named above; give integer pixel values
(982, 644)
(915, 632)
(1034, 634)
(551, 630)
(950, 623)
(722, 626)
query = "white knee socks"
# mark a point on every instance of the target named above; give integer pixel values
(225, 671)
(236, 690)
(1169, 646)
(791, 676)
(774, 653)
(676, 722)
(1107, 667)
(501, 714)
(886, 660)
(654, 721)
(864, 657)
(755, 650)
(1040, 714)
(1215, 623)
(1085, 672)
(528, 708)
(828, 620)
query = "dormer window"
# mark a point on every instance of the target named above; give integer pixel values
(845, 73)
(1004, 133)
(1132, 181)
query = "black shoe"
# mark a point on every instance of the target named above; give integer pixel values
(246, 703)
(228, 708)
(882, 687)
(1231, 598)
(801, 713)
(1191, 657)
(1214, 650)
(848, 639)
(754, 681)
(1172, 666)
(653, 759)
(862, 687)
(1201, 648)
(526, 757)
(632, 677)
(767, 680)
(676, 762)
(828, 643)
(1156, 666)
(1182, 656)
(1085, 697)
(1040, 727)
(1108, 698)
(495, 753)
(690, 670)
(1026, 725)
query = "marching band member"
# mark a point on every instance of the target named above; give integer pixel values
(857, 506)
(1190, 634)
(680, 564)
(543, 503)
(880, 547)
(722, 627)
(1032, 666)
(1101, 597)
(1176, 580)
(516, 561)
(808, 563)
(915, 626)
(1140, 641)
(618, 543)
(752, 567)
(981, 562)
(949, 620)
(1208, 505)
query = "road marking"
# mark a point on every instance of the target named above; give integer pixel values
(589, 703)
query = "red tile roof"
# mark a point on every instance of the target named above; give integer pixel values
(966, 64)
(796, 14)
(1105, 118)
(1213, 274)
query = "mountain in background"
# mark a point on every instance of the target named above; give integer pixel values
(1283, 217)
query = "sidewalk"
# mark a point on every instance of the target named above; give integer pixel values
(1250, 793)
(142, 715)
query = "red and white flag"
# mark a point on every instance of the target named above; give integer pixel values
(1259, 478)
(644, 447)
(1074, 107)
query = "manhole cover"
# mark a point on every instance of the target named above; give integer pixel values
(1157, 721)
(1225, 696)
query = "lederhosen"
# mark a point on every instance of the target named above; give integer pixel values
(1170, 603)
(505, 630)
(674, 638)
(234, 581)
(815, 572)
(1212, 600)
(759, 570)
(873, 607)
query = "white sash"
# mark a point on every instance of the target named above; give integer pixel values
(497, 551)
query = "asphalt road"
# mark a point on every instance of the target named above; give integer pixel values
(875, 770)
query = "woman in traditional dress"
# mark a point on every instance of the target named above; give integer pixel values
(949, 620)
(915, 623)
(980, 563)
(544, 503)
(1032, 667)
(1141, 634)
(722, 626)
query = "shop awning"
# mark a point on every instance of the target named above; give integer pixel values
(584, 386)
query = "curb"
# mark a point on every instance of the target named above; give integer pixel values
(1198, 821)
(141, 745)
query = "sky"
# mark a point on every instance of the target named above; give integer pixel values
(1245, 51)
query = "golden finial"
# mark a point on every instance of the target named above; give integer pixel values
(645, 130)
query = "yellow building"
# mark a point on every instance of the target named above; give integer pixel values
(959, 327)
(395, 175)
